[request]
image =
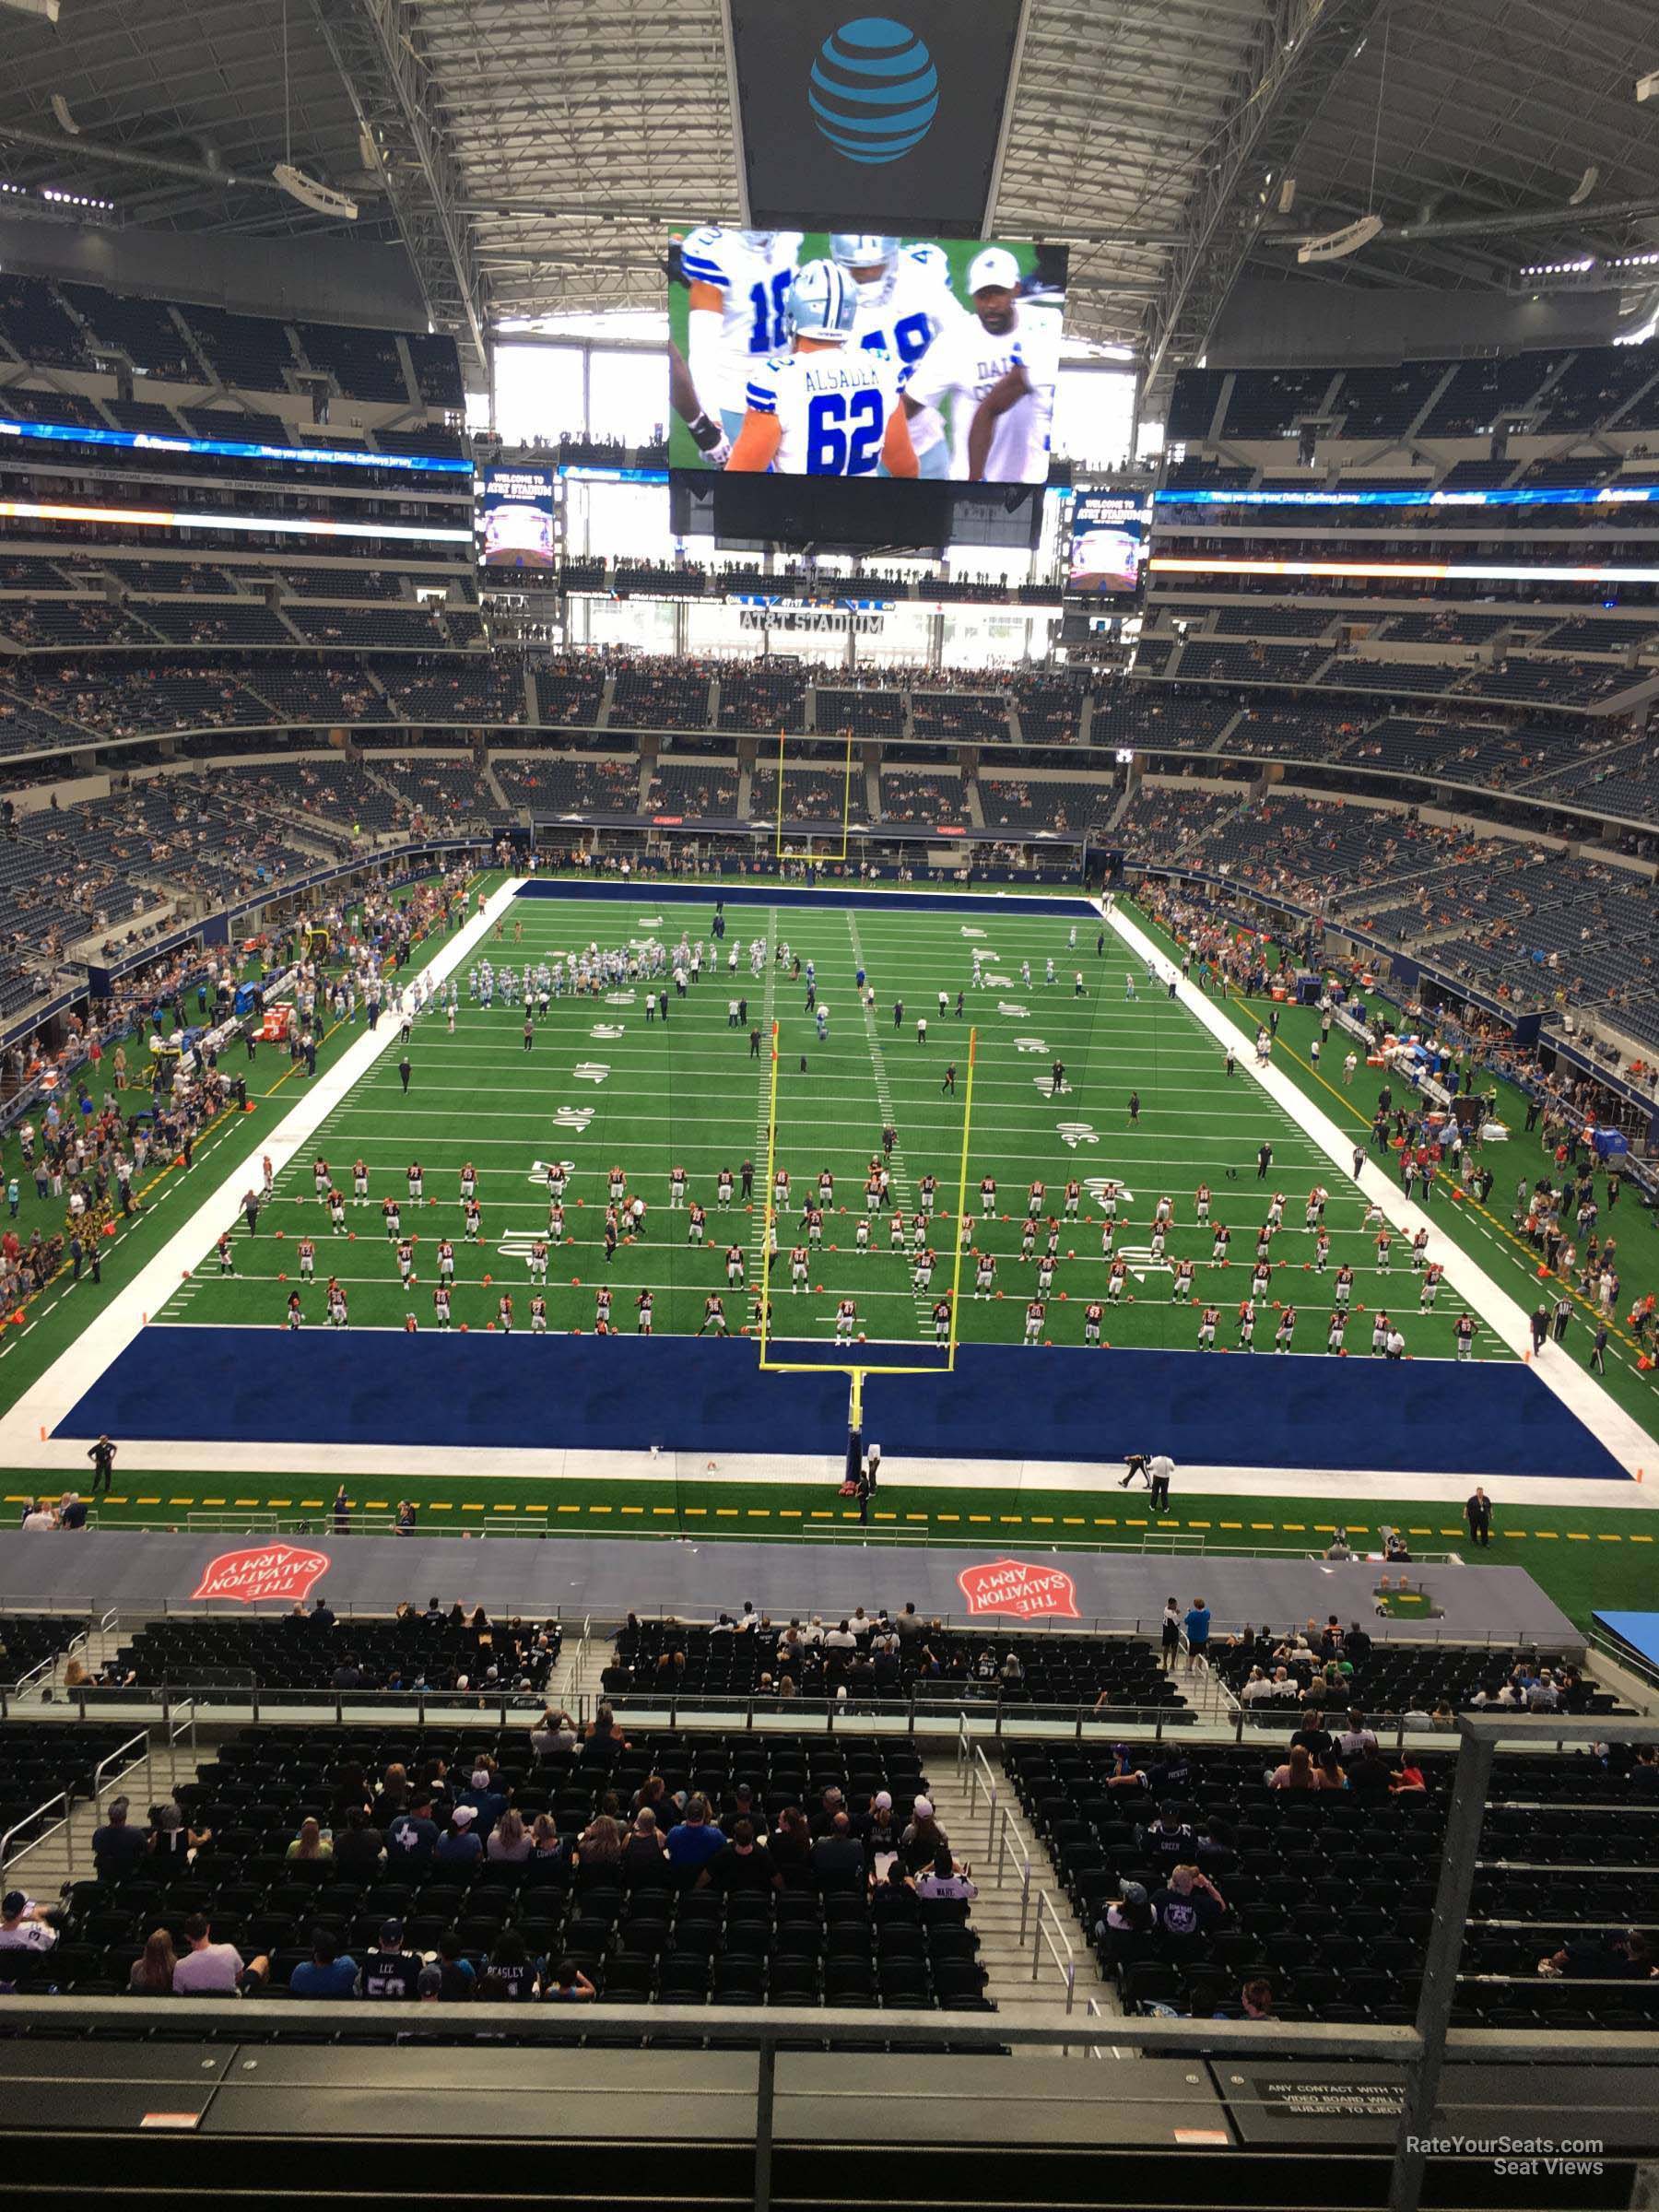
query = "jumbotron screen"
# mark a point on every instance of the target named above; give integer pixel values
(516, 519)
(1109, 542)
(818, 354)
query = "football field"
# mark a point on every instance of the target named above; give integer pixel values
(609, 1085)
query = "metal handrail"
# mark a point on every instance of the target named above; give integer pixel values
(1068, 1965)
(982, 1783)
(28, 1819)
(181, 1717)
(44, 1668)
(1008, 1833)
(143, 1755)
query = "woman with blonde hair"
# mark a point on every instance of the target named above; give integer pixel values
(509, 1844)
(1297, 1773)
(309, 1843)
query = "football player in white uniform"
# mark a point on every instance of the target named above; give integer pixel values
(738, 280)
(904, 300)
(996, 370)
(827, 408)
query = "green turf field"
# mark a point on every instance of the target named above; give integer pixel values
(700, 1078)
(603, 1088)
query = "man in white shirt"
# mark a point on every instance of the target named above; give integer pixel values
(214, 1970)
(996, 371)
(1160, 1469)
(26, 1926)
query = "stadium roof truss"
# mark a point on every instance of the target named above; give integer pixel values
(528, 154)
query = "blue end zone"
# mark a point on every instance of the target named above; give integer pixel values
(709, 1395)
(1070, 905)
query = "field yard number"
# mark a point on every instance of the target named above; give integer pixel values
(592, 1071)
(606, 1033)
(969, 931)
(1138, 1259)
(574, 1117)
(1013, 1013)
(1078, 1133)
(1029, 1045)
(618, 998)
(538, 1169)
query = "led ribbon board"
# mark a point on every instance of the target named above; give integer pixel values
(169, 518)
(146, 441)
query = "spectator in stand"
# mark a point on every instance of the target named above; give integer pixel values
(459, 1848)
(311, 1843)
(645, 1854)
(151, 1974)
(741, 1863)
(117, 1847)
(694, 1841)
(328, 1972)
(215, 1970)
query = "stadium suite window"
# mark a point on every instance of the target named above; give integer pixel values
(538, 393)
(627, 395)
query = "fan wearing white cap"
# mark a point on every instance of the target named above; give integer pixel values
(904, 300)
(995, 375)
(826, 408)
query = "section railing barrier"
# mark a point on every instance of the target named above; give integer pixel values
(1051, 1935)
(37, 1835)
(180, 1721)
(126, 1759)
(981, 1784)
(1009, 1840)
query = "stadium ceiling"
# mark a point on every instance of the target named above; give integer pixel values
(528, 154)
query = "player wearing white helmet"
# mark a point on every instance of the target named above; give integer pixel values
(739, 281)
(996, 373)
(904, 300)
(826, 408)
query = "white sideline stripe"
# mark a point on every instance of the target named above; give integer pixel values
(73, 1373)
(1333, 1494)
(1608, 1421)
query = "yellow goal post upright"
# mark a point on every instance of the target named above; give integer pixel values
(854, 1368)
(781, 855)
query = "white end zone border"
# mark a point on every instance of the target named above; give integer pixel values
(1612, 1426)
(49, 1399)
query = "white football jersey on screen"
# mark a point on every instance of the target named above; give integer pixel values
(753, 283)
(962, 365)
(831, 406)
(902, 316)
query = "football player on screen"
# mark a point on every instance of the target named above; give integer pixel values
(827, 408)
(996, 370)
(737, 282)
(904, 300)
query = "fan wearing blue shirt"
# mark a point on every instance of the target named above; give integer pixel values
(694, 1841)
(1197, 1626)
(328, 1972)
(458, 1846)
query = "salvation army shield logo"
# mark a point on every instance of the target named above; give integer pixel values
(275, 1571)
(1013, 1586)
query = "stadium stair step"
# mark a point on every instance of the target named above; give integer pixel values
(1005, 1953)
